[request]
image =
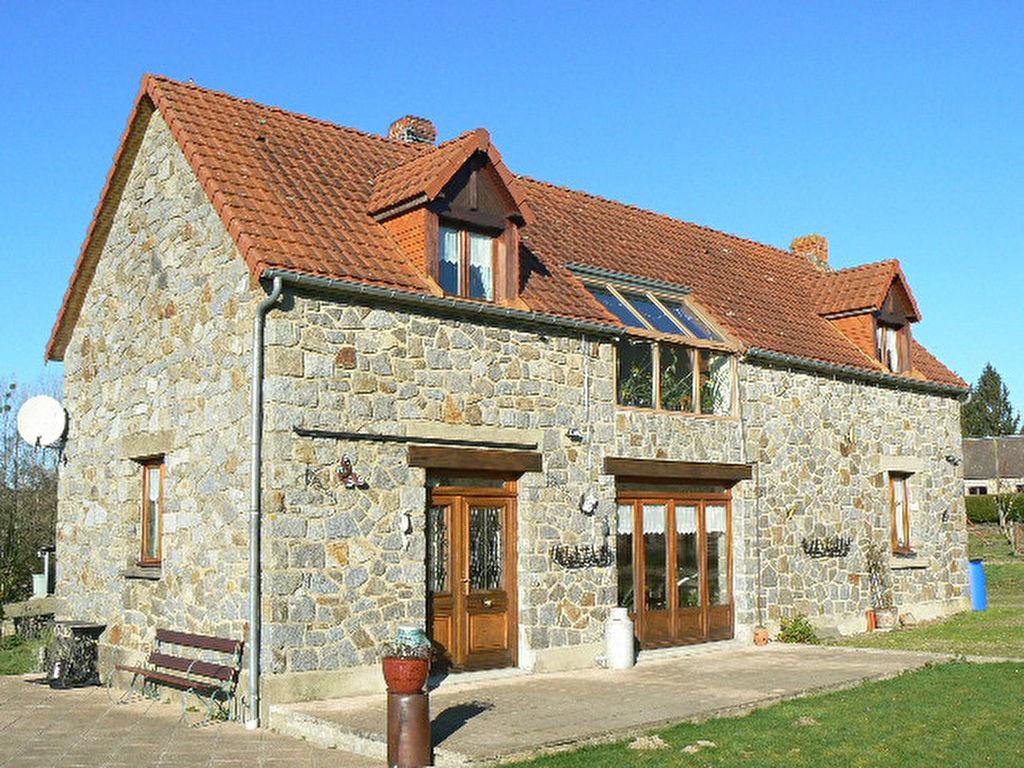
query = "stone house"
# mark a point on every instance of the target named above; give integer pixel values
(323, 383)
(993, 464)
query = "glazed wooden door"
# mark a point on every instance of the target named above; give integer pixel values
(674, 566)
(471, 577)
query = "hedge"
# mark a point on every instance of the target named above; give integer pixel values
(982, 508)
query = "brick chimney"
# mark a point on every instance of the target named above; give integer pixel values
(415, 130)
(814, 248)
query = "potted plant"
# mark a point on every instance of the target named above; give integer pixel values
(406, 664)
(883, 615)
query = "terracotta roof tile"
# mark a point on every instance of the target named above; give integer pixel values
(298, 193)
(861, 288)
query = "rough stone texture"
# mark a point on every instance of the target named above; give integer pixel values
(158, 364)
(822, 449)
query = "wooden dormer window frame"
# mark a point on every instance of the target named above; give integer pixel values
(466, 261)
(892, 344)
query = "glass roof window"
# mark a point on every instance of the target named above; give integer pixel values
(645, 310)
(688, 319)
(616, 305)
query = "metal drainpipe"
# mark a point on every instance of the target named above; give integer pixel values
(255, 486)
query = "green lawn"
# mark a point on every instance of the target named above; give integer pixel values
(997, 631)
(947, 715)
(956, 714)
(18, 656)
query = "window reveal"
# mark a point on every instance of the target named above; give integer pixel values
(152, 512)
(899, 492)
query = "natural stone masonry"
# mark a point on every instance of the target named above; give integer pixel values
(159, 365)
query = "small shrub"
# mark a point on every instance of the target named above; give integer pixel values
(797, 629)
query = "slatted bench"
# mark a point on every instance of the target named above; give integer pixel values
(212, 682)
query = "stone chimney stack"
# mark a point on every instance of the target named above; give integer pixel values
(814, 248)
(415, 130)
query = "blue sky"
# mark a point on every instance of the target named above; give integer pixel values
(895, 129)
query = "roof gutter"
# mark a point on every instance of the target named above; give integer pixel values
(757, 355)
(255, 487)
(455, 305)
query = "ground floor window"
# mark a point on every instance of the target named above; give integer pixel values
(153, 472)
(899, 493)
(674, 564)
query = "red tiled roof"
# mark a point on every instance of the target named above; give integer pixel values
(298, 193)
(862, 288)
(424, 176)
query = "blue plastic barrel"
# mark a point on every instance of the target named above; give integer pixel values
(979, 598)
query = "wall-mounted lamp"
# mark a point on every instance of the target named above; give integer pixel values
(588, 503)
(348, 476)
(954, 460)
(575, 434)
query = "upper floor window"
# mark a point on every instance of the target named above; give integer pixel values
(889, 339)
(152, 511)
(672, 377)
(466, 263)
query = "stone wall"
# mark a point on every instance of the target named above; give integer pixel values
(158, 365)
(340, 578)
(822, 450)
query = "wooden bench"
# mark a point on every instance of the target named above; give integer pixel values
(212, 682)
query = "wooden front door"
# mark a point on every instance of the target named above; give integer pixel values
(471, 586)
(674, 566)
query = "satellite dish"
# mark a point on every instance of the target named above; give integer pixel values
(42, 421)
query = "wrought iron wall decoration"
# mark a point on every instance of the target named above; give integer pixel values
(827, 546)
(582, 555)
(348, 476)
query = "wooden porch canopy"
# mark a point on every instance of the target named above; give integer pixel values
(679, 471)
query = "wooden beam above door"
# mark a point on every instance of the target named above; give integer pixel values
(677, 470)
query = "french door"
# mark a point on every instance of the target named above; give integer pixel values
(674, 556)
(471, 587)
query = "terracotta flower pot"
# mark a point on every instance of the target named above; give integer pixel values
(404, 675)
(761, 636)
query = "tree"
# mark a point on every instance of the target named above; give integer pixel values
(988, 412)
(28, 501)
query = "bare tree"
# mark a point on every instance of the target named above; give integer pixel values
(28, 499)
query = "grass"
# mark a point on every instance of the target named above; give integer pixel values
(955, 714)
(997, 631)
(18, 655)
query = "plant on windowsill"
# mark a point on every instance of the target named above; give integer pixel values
(406, 665)
(883, 615)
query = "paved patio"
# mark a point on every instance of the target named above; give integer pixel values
(485, 720)
(86, 727)
(476, 718)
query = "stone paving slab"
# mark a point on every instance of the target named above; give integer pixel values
(41, 728)
(496, 719)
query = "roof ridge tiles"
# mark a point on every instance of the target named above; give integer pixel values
(150, 77)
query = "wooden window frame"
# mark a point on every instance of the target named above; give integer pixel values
(901, 479)
(144, 558)
(902, 335)
(696, 354)
(464, 231)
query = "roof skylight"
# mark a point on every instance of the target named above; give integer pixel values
(646, 310)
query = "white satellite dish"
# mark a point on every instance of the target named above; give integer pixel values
(42, 421)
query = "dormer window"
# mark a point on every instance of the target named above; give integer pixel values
(892, 343)
(466, 263)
